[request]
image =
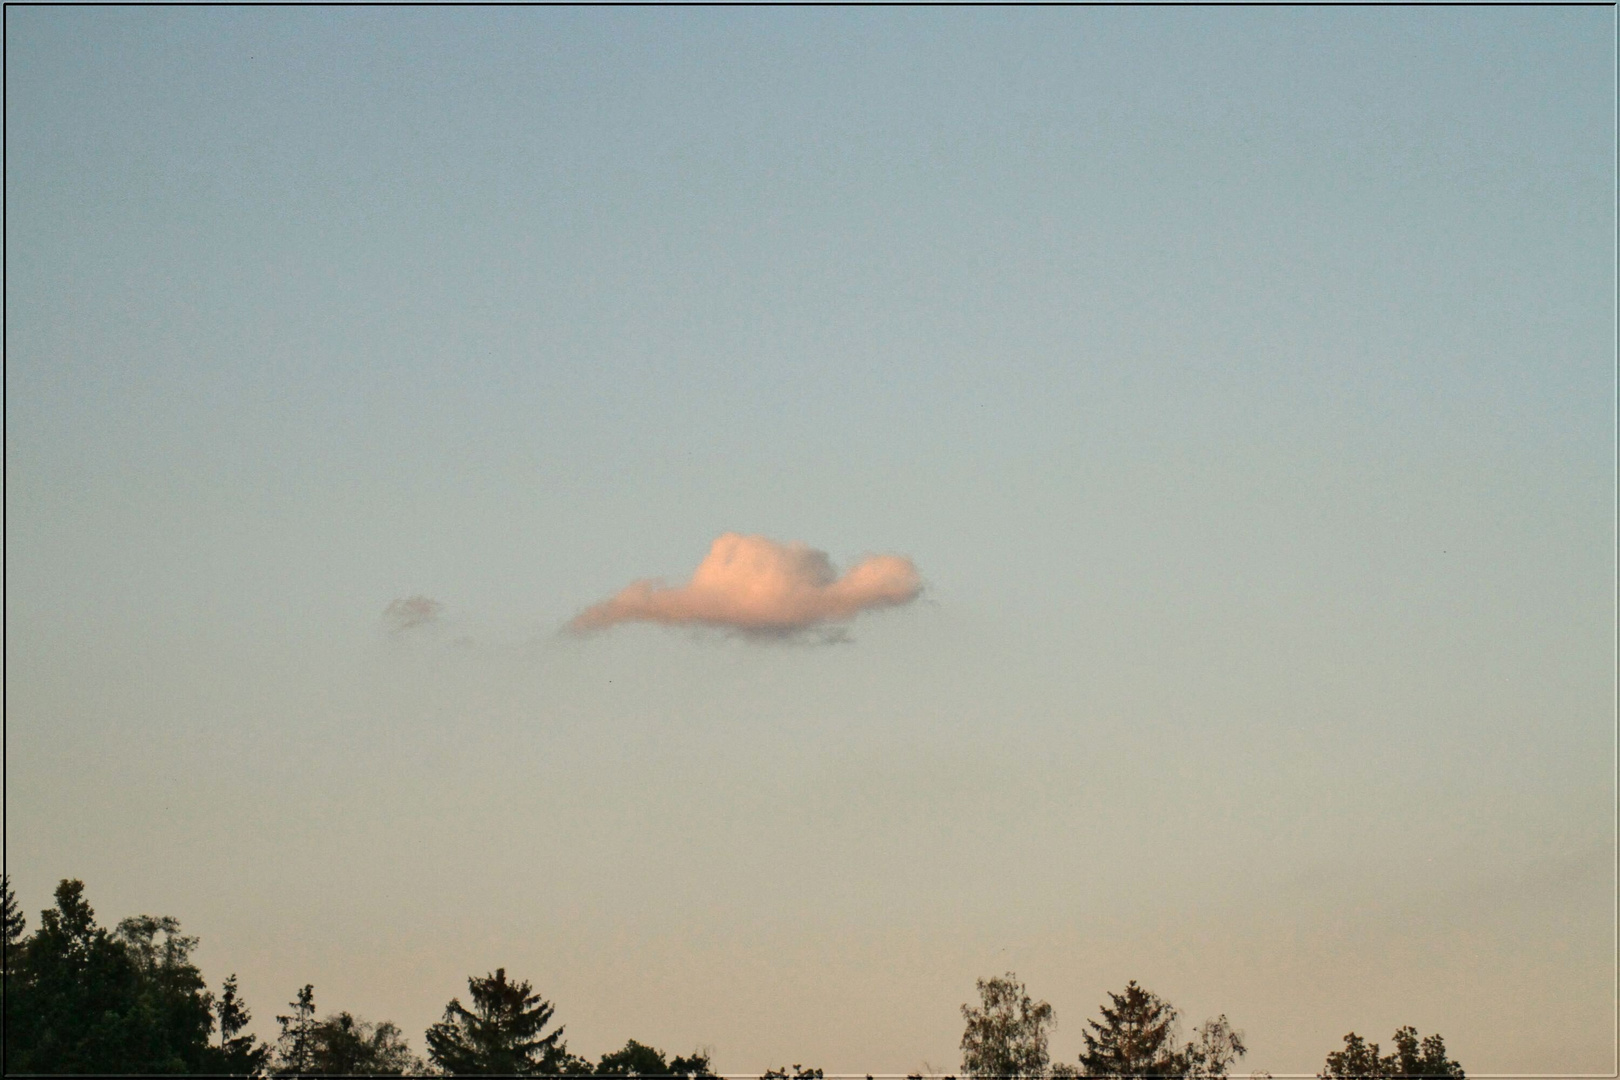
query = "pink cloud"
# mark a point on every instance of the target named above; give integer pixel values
(758, 586)
(410, 612)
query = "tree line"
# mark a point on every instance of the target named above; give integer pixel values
(79, 998)
(1136, 1035)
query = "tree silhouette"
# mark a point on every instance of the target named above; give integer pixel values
(1007, 1034)
(11, 918)
(345, 1046)
(237, 1054)
(12, 923)
(295, 1046)
(634, 1060)
(501, 1033)
(1412, 1058)
(1136, 1037)
(1214, 1052)
(637, 1059)
(175, 1009)
(695, 1066)
(81, 1000)
(797, 1074)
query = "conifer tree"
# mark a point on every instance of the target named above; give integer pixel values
(237, 1054)
(1136, 1037)
(295, 1047)
(11, 917)
(12, 924)
(501, 1033)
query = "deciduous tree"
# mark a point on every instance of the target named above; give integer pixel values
(86, 1001)
(175, 1011)
(1216, 1049)
(1413, 1057)
(798, 1073)
(638, 1059)
(696, 1066)
(1006, 1035)
(345, 1046)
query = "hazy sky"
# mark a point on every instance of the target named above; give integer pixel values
(1239, 382)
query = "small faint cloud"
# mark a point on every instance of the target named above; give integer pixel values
(410, 612)
(762, 588)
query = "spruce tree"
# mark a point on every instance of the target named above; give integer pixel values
(237, 1054)
(501, 1033)
(295, 1046)
(12, 923)
(1136, 1037)
(11, 917)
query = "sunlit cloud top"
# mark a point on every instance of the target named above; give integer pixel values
(756, 585)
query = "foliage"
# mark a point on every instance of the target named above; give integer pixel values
(1007, 1034)
(696, 1067)
(295, 1046)
(559, 1062)
(797, 1074)
(1412, 1058)
(345, 1046)
(637, 1059)
(176, 1009)
(634, 1060)
(83, 1000)
(501, 1033)
(11, 918)
(1217, 1048)
(236, 1054)
(1136, 1037)
(12, 924)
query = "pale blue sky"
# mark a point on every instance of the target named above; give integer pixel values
(1241, 381)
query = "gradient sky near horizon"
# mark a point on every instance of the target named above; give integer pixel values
(1241, 383)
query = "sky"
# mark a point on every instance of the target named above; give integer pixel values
(754, 519)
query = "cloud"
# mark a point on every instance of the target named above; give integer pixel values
(410, 612)
(755, 585)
